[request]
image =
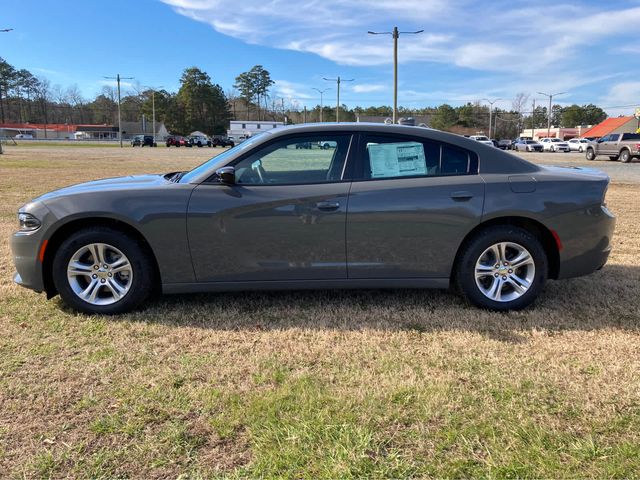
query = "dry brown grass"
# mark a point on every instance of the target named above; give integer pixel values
(316, 384)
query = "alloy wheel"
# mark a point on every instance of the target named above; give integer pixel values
(99, 274)
(505, 271)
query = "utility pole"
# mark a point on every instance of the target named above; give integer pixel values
(395, 34)
(304, 119)
(117, 78)
(491, 112)
(153, 109)
(550, 95)
(4, 30)
(337, 80)
(321, 105)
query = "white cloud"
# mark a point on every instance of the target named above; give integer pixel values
(623, 94)
(290, 90)
(368, 88)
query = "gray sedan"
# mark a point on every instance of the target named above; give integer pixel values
(381, 206)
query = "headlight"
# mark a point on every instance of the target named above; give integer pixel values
(28, 222)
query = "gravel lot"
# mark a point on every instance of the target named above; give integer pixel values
(618, 171)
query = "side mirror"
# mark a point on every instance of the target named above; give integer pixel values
(226, 175)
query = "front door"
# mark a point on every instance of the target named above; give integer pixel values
(410, 208)
(283, 219)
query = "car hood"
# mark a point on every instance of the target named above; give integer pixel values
(134, 182)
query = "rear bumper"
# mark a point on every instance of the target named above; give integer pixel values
(586, 239)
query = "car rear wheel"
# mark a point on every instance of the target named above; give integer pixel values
(625, 156)
(102, 271)
(502, 268)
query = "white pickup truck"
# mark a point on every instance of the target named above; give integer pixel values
(482, 139)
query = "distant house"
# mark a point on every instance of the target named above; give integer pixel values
(241, 129)
(96, 132)
(143, 127)
(613, 125)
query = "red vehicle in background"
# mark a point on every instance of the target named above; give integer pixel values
(178, 141)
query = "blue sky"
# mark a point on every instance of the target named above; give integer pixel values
(470, 50)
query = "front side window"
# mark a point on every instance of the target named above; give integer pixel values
(389, 157)
(296, 160)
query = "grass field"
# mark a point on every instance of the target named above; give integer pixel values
(318, 384)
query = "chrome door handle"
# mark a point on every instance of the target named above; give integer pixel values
(328, 206)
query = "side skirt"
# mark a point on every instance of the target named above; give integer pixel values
(442, 283)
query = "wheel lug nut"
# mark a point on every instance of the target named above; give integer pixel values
(510, 271)
(95, 267)
(102, 280)
(107, 266)
(495, 275)
(506, 263)
(110, 274)
(504, 277)
(94, 276)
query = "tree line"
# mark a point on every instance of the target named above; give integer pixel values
(201, 104)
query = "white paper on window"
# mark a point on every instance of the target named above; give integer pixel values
(397, 159)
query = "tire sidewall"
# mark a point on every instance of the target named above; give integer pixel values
(625, 156)
(143, 273)
(465, 277)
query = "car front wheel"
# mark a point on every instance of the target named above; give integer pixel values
(590, 154)
(502, 268)
(102, 271)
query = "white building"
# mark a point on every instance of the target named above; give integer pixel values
(243, 129)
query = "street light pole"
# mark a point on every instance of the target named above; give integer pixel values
(550, 95)
(117, 78)
(395, 34)
(337, 80)
(491, 112)
(321, 104)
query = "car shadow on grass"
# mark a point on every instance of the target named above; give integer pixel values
(604, 299)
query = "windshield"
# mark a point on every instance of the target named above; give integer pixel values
(556, 140)
(481, 139)
(212, 163)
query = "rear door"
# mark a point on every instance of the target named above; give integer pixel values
(411, 203)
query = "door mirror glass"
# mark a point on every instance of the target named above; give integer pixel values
(226, 175)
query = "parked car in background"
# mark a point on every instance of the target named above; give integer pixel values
(527, 146)
(391, 206)
(177, 141)
(554, 145)
(199, 141)
(327, 144)
(504, 144)
(618, 146)
(482, 139)
(23, 136)
(222, 141)
(578, 144)
(142, 141)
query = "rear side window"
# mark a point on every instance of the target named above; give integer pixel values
(384, 157)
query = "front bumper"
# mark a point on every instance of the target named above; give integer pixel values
(25, 248)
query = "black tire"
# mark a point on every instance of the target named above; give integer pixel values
(590, 155)
(473, 249)
(142, 283)
(625, 156)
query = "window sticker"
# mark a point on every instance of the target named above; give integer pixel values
(396, 159)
